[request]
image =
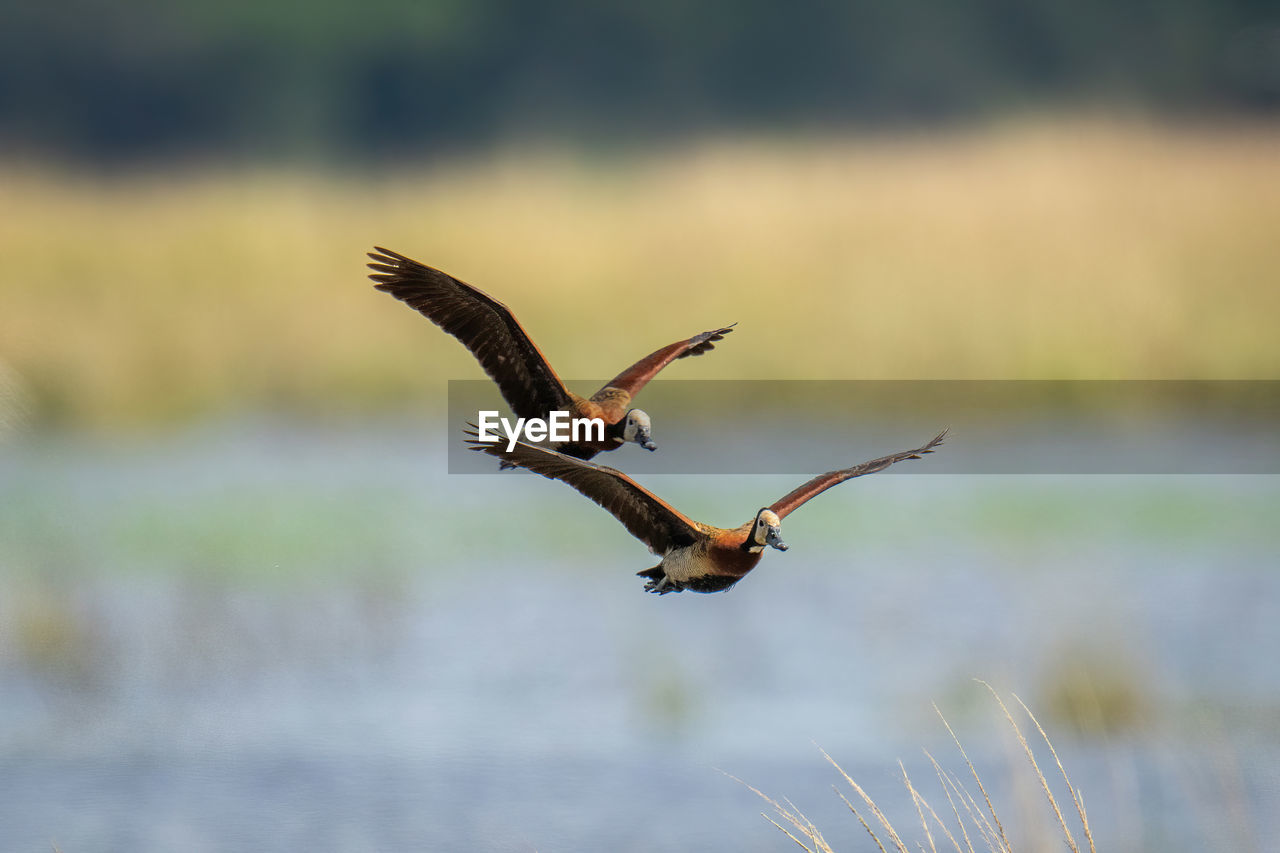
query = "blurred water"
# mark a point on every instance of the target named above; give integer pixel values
(261, 635)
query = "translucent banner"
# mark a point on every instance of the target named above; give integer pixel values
(996, 426)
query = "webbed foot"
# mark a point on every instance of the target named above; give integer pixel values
(662, 586)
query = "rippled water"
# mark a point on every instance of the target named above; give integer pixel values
(255, 636)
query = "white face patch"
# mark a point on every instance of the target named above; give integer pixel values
(637, 421)
(766, 519)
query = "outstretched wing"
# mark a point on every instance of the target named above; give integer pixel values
(484, 326)
(822, 482)
(647, 517)
(635, 377)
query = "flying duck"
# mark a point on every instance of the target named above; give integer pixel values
(695, 556)
(531, 388)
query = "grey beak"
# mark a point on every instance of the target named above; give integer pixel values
(644, 441)
(775, 539)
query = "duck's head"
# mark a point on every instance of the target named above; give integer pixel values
(636, 428)
(767, 530)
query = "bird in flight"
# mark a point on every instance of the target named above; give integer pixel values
(695, 556)
(531, 388)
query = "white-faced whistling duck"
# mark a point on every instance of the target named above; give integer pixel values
(531, 388)
(695, 556)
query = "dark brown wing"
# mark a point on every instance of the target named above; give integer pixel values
(822, 482)
(647, 517)
(483, 325)
(638, 375)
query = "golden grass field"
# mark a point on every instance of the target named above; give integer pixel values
(1059, 248)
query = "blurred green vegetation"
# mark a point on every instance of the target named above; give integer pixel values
(1097, 691)
(274, 529)
(1060, 248)
(329, 78)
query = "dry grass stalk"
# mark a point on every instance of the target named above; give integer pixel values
(1076, 796)
(793, 816)
(965, 807)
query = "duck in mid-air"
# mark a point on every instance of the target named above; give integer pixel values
(531, 388)
(695, 556)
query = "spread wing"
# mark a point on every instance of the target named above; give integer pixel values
(638, 375)
(647, 517)
(822, 482)
(483, 325)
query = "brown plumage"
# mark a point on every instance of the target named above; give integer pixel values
(695, 556)
(531, 388)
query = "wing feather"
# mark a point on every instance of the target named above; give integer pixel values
(819, 484)
(482, 324)
(646, 516)
(638, 375)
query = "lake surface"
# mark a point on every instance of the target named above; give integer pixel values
(260, 635)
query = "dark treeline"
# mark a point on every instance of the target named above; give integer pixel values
(137, 78)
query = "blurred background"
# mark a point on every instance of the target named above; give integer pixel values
(243, 602)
